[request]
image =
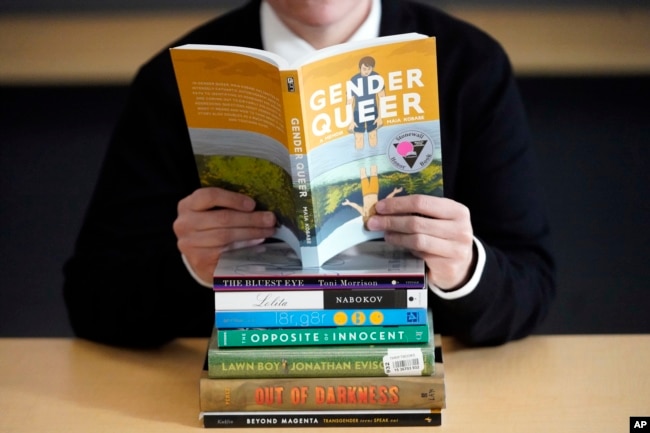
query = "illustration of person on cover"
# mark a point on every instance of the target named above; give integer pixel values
(365, 103)
(370, 193)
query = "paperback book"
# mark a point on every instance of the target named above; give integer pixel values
(318, 141)
(319, 318)
(333, 361)
(275, 266)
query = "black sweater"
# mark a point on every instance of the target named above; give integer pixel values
(127, 285)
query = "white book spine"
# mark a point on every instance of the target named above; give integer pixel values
(320, 299)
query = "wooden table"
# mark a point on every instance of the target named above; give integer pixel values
(540, 384)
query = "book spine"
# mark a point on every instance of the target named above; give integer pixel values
(310, 361)
(301, 419)
(292, 107)
(319, 318)
(301, 394)
(320, 299)
(325, 282)
(322, 336)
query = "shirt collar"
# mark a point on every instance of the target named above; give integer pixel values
(277, 38)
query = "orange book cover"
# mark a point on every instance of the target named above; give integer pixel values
(320, 141)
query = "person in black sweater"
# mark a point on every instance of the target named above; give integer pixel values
(152, 236)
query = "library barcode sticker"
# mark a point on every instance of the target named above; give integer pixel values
(403, 362)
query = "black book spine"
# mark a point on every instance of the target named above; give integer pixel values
(315, 419)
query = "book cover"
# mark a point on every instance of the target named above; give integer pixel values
(329, 418)
(317, 142)
(319, 318)
(261, 337)
(324, 393)
(313, 361)
(275, 266)
(276, 300)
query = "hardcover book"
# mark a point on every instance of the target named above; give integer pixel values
(335, 335)
(324, 393)
(333, 361)
(319, 141)
(275, 266)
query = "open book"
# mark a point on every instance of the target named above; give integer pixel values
(273, 266)
(317, 142)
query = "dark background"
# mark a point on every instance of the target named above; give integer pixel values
(592, 136)
(591, 133)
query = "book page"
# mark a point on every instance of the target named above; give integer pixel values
(234, 112)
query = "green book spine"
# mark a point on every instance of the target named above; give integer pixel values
(356, 360)
(322, 336)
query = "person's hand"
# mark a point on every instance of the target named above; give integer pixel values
(439, 230)
(213, 220)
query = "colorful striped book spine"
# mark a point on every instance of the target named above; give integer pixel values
(352, 360)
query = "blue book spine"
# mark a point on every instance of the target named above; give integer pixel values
(320, 318)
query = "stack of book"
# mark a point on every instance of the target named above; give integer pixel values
(350, 343)
(328, 327)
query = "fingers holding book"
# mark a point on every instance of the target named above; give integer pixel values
(213, 220)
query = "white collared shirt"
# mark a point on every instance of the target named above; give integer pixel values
(279, 39)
